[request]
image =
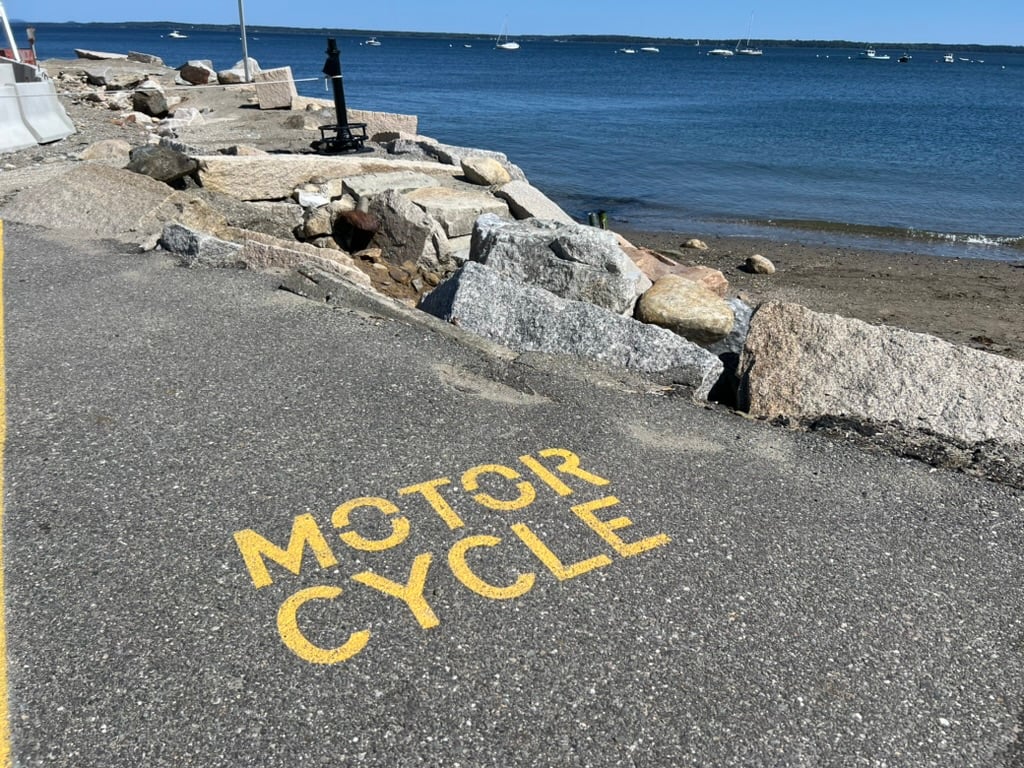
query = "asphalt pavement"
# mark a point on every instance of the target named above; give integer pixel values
(244, 528)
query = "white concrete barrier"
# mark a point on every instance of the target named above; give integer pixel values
(14, 135)
(42, 113)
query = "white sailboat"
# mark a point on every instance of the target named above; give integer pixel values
(503, 43)
(747, 50)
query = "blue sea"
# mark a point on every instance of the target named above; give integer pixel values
(797, 145)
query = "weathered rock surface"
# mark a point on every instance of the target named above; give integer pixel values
(83, 53)
(198, 72)
(733, 343)
(378, 124)
(655, 265)
(93, 199)
(236, 74)
(686, 308)
(275, 88)
(526, 201)
(760, 265)
(150, 101)
(407, 233)
(161, 163)
(273, 177)
(570, 260)
(265, 252)
(368, 186)
(456, 211)
(197, 249)
(482, 300)
(115, 78)
(145, 58)
(485, 171)
(114, 152)
(805, 365)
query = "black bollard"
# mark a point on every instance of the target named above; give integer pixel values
(348, 137)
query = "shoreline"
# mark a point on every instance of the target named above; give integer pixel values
(965, 301)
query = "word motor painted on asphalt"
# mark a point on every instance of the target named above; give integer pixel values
(368, 526)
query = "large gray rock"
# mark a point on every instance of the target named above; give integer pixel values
(527, 319)
(406, 233)
(196, 249)
(570, 260)
(150, 100)
(805, 365)
(161, 163)
(526, 201)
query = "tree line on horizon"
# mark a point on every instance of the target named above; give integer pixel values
(680, 41)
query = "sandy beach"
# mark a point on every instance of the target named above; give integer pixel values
(972, 302)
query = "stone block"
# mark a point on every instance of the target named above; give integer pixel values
(275, 88)
(526, 201)
(457, 211)
(367, 186)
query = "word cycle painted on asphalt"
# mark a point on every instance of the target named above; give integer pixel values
(369, 526)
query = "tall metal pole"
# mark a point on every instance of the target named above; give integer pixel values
(10, 34)
(245, 46)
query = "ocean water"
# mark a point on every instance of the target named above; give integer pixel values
(800, 144)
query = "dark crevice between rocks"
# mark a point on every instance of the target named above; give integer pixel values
(726, 389)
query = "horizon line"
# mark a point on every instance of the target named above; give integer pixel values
(593, 37)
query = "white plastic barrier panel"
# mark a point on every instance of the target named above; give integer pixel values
(14, 134)
(42, 113)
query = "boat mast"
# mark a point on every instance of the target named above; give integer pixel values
(10, 35)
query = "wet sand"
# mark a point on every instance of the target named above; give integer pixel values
(972, 302)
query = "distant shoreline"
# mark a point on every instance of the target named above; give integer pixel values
(681, 41)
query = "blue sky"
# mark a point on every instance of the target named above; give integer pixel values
(998, 22)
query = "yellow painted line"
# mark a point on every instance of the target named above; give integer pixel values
(5, 722)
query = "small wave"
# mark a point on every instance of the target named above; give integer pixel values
(1001, 241)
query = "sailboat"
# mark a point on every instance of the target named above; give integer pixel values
(503, 43)
(747, 50)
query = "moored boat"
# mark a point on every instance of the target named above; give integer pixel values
(872, 55)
